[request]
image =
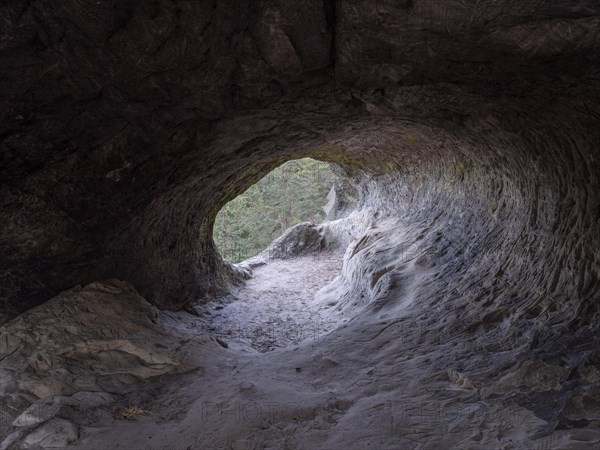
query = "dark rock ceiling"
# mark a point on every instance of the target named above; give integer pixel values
(126, 124)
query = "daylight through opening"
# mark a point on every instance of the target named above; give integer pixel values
(281, 234)
(302, 190)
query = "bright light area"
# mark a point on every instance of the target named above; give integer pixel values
(292, 193)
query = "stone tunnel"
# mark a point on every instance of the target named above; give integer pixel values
(470, 275)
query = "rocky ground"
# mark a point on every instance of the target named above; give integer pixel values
(471, 281)
(273, 368)
(276, 308)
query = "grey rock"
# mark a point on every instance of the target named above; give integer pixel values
(301, 239)
(84, 342)
(57, 433)
(113, 169)
(469, 129)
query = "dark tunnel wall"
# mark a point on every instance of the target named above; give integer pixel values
(125, 125)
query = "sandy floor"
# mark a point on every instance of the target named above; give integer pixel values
(98, 367)
(276, 307)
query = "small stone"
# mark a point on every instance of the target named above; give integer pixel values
(247, 387)
(222, 343)
(56, 433)
(40, 411)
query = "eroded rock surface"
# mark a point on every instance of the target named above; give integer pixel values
(383, 378)
(470, 129)
(126, 125)
(302, 239)
(79, 356)
(276, 307)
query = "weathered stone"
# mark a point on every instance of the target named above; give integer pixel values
(136, 122)
(57, 433)
(470, 130)
(301, 239)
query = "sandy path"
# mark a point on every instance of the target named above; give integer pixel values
(275, 307)
(372, 382)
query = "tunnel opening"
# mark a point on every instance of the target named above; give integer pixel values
(440, 265)
(295, 192)
(277, 232)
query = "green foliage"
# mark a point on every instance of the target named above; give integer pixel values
(294, 192)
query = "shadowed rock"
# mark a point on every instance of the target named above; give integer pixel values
(469, 128)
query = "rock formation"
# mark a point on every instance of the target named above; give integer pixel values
(471, 130)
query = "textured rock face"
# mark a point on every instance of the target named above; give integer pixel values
(86, 339)
(125, 126)
(76, 357)
(301, 239)
(341, 199)
(471, 129)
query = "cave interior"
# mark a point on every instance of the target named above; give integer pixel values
(459, 299)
